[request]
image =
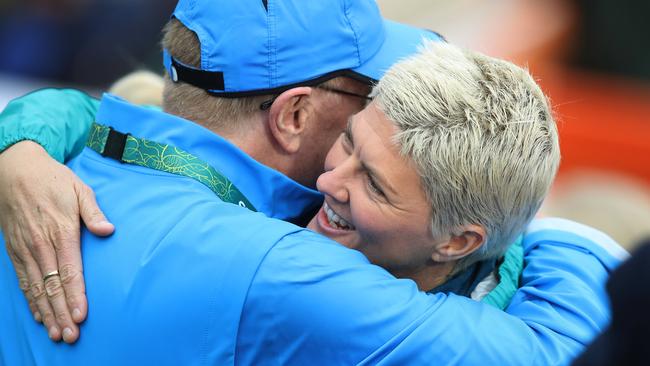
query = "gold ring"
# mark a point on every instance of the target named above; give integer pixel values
(50, 274)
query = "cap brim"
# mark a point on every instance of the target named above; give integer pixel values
(401, 41)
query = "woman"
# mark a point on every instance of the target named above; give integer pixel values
(443, 170)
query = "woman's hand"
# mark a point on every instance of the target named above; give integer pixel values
(41, 202)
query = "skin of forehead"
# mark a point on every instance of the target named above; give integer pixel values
(379, 130)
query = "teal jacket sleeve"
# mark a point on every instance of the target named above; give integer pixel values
(299, 310)
(57, 119)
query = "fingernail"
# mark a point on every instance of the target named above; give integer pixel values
(67, 333)
(76, 314)
(53, 332)
(37, 316)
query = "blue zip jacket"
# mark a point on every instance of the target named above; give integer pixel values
(189, 279)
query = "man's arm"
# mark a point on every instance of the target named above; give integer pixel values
(40, 221)
(301, 307)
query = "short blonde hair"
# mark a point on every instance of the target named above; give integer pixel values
(482, 136)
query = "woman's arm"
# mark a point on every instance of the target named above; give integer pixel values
(57, 119)
(40, 221)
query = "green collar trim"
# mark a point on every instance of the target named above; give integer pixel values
(509, 273)
(166, 158)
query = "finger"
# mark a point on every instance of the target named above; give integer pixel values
(55, 294)
(68, 255)
(45, 255)
(91, 214)
(23, 282)
(37, 290)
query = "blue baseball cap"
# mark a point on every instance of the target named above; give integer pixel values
(255, 47)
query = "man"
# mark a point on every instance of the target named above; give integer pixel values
(350, 311)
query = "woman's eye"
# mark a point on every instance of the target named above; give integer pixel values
(374, 187)
(346, 144)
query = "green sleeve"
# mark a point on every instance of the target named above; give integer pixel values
(57, 119)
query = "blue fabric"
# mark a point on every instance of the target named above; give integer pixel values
(188, 279)
(294, 41)
(560, 307)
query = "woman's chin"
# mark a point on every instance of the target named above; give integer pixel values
(321, 225)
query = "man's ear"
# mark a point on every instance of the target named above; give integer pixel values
(288, 117)
(462, 243)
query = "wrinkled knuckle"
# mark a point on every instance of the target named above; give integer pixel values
(15, 254)
(68, 273)
(37, 290)
(61, 318)
(19, 253)
(53, 287)
(23, 283)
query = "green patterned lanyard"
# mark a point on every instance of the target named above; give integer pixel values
(150, 154)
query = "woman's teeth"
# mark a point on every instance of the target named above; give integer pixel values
(335, 220)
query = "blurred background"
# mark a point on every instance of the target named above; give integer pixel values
(592, 57)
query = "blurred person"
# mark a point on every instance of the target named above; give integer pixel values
(546, 345)
(140, 87)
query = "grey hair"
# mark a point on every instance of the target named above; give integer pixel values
(482, 137)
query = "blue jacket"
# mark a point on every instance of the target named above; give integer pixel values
(188, 279)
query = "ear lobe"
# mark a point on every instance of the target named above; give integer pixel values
(288, 118)
(464, 242)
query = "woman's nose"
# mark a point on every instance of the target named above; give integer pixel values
(332, 183)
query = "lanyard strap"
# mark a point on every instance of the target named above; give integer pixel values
(150, 154)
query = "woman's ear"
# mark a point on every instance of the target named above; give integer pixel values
(288, 117)
(462, 243)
